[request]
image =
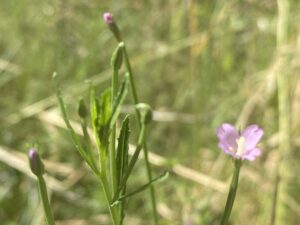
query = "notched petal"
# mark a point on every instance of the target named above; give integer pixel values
(228, 135)
(252, 154)
(252, 135)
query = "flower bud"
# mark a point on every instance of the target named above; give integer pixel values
(108, 18)
(82, 110)
(110, 22)
(36, 164)
(145, 112)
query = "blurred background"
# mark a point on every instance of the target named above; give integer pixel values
(197, 63)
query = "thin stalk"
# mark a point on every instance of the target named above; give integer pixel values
(121, 208)
(152, 190)
(44, 196)
(108, 196)
(232, 192)
(148, 168)
(132, 84)
(112, 151)
(284, 112)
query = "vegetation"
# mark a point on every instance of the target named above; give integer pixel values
(198, 64)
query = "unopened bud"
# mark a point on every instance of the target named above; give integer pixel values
(110, 22)
(36, 164)
(145, 112)
(108, 18)
(82, 109)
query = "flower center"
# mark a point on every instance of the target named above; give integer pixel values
(241, 146)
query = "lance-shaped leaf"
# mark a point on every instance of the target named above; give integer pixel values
(132, 162)
(122, 150)
(122, 160)
(101, 115)
(119, 100)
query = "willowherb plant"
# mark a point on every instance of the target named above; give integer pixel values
(107, 154)
(113, 166)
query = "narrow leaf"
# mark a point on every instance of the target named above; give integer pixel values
(119, 100)
(103, 120)
(122, 149)
(160, 178)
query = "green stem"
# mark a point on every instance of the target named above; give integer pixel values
(44, 196)
(112, 151)
(232, 192)
(132, 84)
(108, 197)
(152, 190)
(136, 101)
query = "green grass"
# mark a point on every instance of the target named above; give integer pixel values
(204, 59)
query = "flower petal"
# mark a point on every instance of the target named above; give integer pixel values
(252, 154)
(227, 135)
(252, 135)
(226, 150)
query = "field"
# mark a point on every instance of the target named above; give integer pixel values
(198, 64)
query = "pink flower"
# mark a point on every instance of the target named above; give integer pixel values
(240, 145)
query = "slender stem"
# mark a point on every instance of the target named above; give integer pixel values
(44, 196)
(152, 190)
(232, 192)
(112, 151)
(108, 197)
(132, 84)
(121, 208)
(136, 101)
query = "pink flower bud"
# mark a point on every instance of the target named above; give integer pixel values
(111, 23)
(36, 165)
(108, 18)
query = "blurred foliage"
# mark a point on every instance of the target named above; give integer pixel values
(205, 61)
